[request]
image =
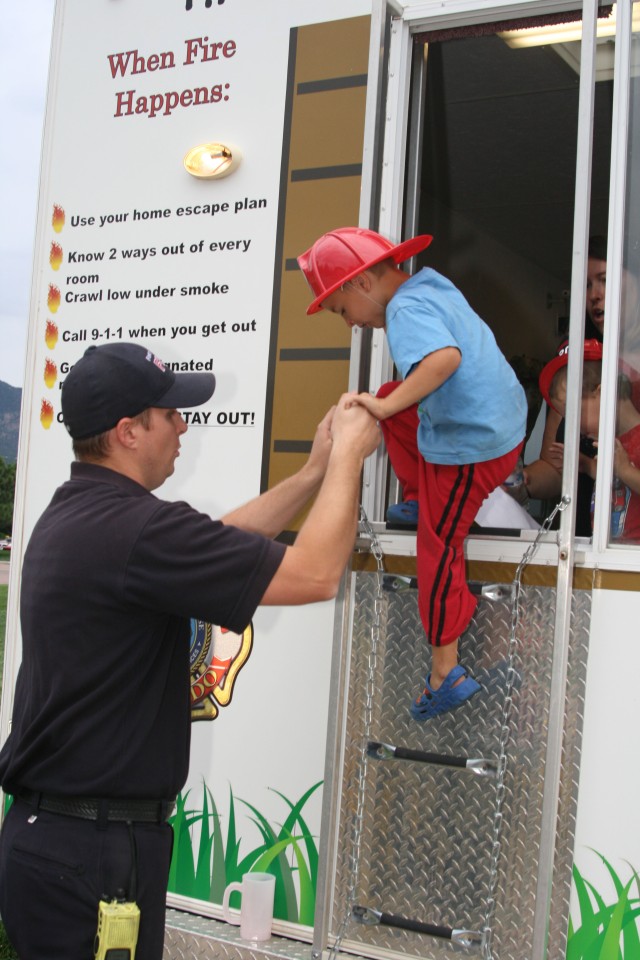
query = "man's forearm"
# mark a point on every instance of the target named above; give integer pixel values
(330, 528)
(312, 568)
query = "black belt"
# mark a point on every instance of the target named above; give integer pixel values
(88, 808)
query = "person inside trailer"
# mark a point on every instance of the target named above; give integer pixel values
(543, 476)
(625, 494)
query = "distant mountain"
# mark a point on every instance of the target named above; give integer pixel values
(10, 398)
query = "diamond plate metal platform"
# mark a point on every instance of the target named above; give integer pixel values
(190, 937)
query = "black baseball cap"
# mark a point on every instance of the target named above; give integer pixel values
(119, 380)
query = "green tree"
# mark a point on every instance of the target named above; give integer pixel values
(7, 491)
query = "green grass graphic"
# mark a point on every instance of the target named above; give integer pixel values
(605, 931)
(288, 851)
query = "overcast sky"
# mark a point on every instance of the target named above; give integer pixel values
(24, 59)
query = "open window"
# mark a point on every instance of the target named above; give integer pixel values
(489, 168)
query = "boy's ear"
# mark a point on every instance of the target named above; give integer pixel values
(362, 280)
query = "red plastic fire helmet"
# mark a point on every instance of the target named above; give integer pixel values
(342, 254)
(592, 351)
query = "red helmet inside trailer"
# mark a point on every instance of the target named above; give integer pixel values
(592, 351)
(338, 256)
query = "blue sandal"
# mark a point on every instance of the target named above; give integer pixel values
(405, 512)
(431, 703)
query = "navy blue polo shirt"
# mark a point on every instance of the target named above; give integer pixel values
(111, 577)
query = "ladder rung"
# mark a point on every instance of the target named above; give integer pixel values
(370, 917)
(398, 584)
(387, 751)
(492, 591)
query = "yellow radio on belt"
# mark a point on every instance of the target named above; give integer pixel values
(117, 934)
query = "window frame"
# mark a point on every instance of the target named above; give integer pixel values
(399, 134)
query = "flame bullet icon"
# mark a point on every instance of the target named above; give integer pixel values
(50, 372)
(55, 256)
(51, 334)
(57, 219)
(53, 299)
(46, 414)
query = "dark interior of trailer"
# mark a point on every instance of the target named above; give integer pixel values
(497, 183)
(497, 178)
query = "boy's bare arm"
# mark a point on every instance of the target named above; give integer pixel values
(542, 480)
(425, 377)
(543, 477)
(624, 469)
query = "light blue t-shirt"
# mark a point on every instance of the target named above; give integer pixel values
(480, 412)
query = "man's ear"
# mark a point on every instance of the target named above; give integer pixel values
(125, 432)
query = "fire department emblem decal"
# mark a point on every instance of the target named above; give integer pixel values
(216, 656)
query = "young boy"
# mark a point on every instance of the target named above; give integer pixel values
(453, 427)
(625, 504)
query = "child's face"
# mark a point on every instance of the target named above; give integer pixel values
(356, 303)
(589, 407)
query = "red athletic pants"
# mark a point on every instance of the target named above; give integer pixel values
(449, 498)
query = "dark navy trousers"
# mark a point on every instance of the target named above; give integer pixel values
(54, 870)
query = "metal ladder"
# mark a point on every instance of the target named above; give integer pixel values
(488, 768)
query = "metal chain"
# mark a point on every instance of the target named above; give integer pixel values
(490, 904)
(358, 819)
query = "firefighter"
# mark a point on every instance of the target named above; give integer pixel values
(112, 575)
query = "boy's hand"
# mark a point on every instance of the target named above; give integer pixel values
(625, 469)
(353, 425)
(375, 405)
(555, 455)
(621, 461)
(588, 465)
